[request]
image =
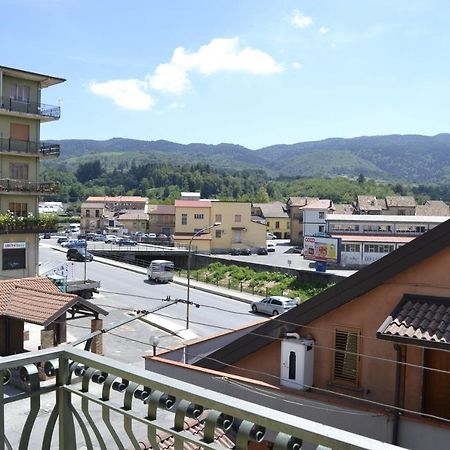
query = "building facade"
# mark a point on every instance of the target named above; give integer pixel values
(21, 114)
(276, 218)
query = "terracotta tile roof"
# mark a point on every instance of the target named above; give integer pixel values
(273, 209)
(300, 201)
(368, 203)
(433, 208)
(424, 319)
(161, 209)
(400, 200)
(192, 204)
(343, 208)
(319, 204)
(33, 300)
(196, 427)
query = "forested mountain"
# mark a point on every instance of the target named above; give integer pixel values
(409, 158)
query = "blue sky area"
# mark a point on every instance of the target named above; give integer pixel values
(249, 72)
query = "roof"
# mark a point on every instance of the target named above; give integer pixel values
(368, 203)
(161, 209)
(385, 218)
(343, 208)
(371, 238)
(433, 208)
(341, 293)
(37, 300)
(119, 199)
(192, 204)
(166, 440)
(400, 201)
(273, 209)
(319, 204)
(425, 320)
(300, 201)
(43, 80)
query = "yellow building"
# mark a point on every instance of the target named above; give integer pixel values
(21, 114)
(276, 218)
(236, 229)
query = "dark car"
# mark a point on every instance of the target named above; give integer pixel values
(61, 240)
(79, 254)
(246, 251)
(261, 251)
(127, 242)
(235, 251)
(46, 236)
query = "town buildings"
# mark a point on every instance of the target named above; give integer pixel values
(21, 115)
(276, 218)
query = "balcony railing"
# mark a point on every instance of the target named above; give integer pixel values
(10, 223)
(96, 402)
(28, 187)
(29, 147)
(23, 106)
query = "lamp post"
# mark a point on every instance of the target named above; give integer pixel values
(198, 233)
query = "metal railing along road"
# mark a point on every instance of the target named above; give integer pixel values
(94, 402)
(29, 147)
(27, 107)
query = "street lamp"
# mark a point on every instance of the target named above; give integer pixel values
(198, 233)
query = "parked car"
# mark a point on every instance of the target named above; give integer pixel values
(270, 247)
(73, 243)
(162, 236)
(151, 235)
(270, 236)
(261, 251)
(79, 254)
(274, 305)
(99, 237)
(60, 240)
(235, 251)
(246, 251)
(126, 242)
(46, 236)
(297, 249)
(111, 239)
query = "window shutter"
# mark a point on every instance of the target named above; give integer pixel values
(346, 355)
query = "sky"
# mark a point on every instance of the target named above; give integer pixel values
(248, 72)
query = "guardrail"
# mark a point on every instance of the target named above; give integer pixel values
(23, 106)
(33, 148)
(23, 186)
(97, 402)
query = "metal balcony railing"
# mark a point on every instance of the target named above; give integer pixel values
(96, 402)
(23, 106)
(29, 147)
(28, 187)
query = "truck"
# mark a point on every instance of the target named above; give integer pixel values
(160, 271)
(83, 288)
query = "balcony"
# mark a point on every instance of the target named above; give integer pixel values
(91, 401)
(29, 148)
(9, 223)
(8, 185)
(26, 108)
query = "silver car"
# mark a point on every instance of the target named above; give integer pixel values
(274, 305)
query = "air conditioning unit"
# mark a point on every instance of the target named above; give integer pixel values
(297, 363)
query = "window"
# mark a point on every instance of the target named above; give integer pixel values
(183, 219)
(277, 224)
(19, 209)
(18, 171)
(97, 213)
(218, 217)
(18, 92)
(321, 215)
(321, 228)
(14, 255)
(378, 248)
(218, 234)
(237, 218)
(346, 345)
(268, 224)
(88, 213)
(199, 216)
(351, 248)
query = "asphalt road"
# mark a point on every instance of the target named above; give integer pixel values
(123, 291)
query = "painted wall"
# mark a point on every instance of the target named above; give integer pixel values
(192, 222)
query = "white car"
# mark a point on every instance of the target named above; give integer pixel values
(270, 236)
(270, 247)
(112, 239)
(274, 305)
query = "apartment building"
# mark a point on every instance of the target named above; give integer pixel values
(21, 115)
(236, 229)
(276, 218)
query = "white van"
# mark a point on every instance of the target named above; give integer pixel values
(160, 271)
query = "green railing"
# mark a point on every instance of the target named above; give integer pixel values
(91, 401)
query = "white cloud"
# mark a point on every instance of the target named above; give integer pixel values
(323, 30)
(296, 65)
(300, 20)
(177, 105)
(128, 94)
(221, 54)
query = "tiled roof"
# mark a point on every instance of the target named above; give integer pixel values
(343, 208)
(400, 200)
(273, 209)
(166, 441)
(433, 208)
(425, 319)
(368, 203)
(33, 300)
(161, 209)
(319, 204)
(300, 201)
(192, 204)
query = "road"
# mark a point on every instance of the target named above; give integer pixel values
(123, 291)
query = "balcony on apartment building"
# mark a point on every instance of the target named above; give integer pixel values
(29, 148)
(26, 108)
(92, 401)
(10, 186)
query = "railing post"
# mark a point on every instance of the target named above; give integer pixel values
(63, 400)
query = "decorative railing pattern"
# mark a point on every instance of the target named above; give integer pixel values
(27, 107)
(100, 403)
(27, 187)
(29, 147)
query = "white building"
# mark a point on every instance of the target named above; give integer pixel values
(315, 216)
